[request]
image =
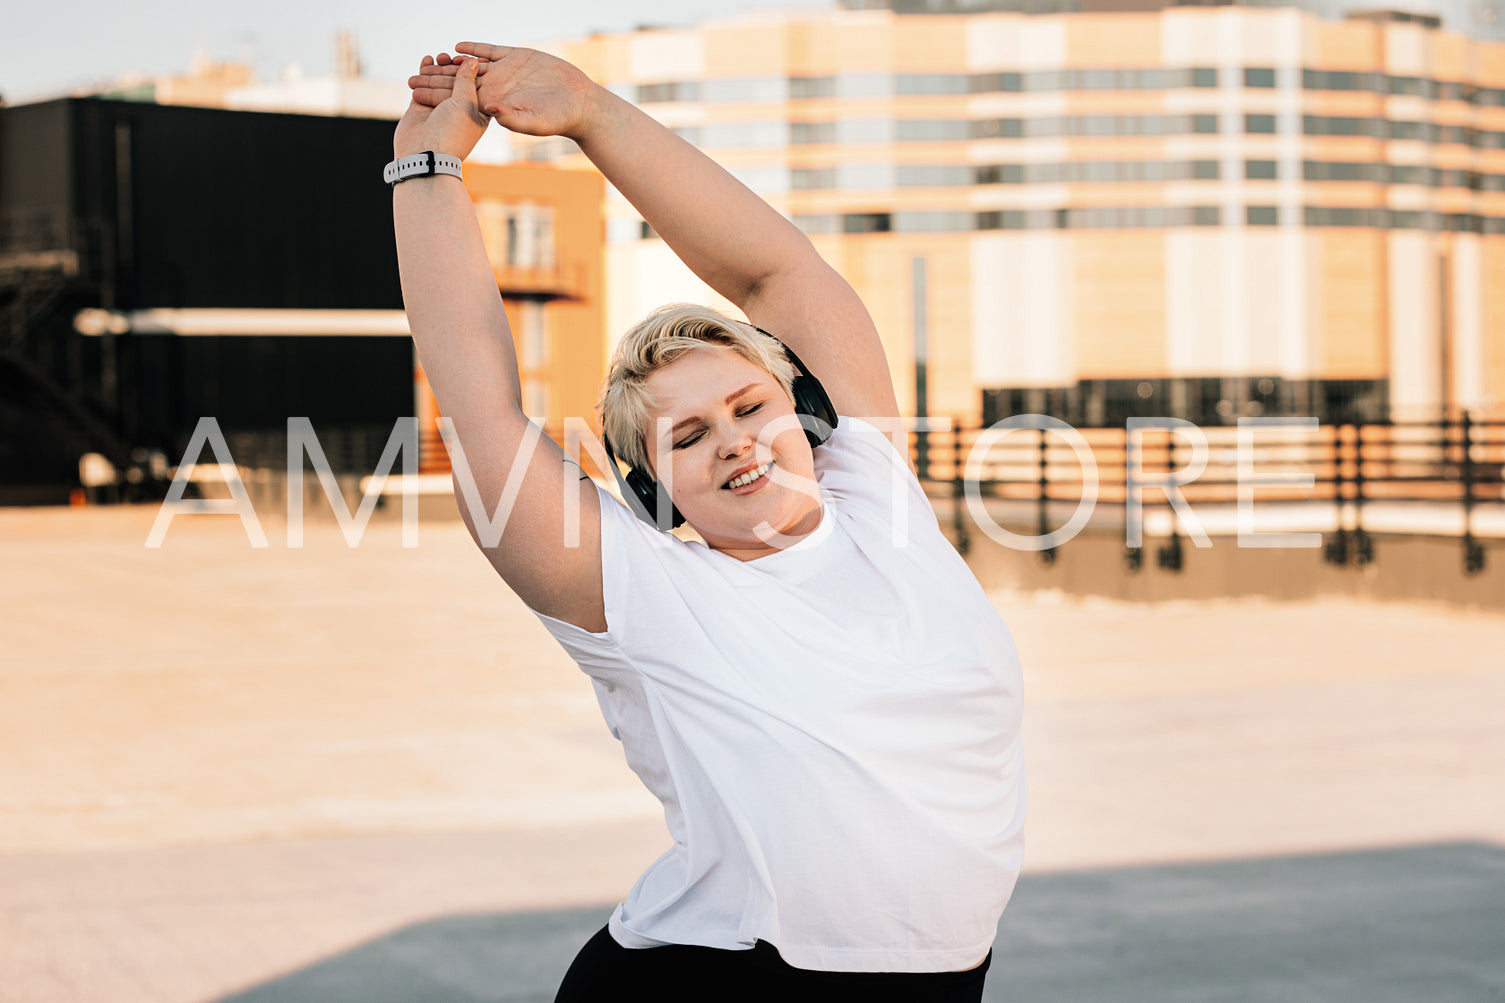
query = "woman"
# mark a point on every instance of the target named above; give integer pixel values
(819, 693)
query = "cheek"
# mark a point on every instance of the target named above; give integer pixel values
(693, 474)
(788, 436)
(795, 448)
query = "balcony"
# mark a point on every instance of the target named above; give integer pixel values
(551, 282)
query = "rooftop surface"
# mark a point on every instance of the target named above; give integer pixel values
(335, 774)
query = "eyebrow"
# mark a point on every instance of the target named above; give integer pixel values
(694, 418)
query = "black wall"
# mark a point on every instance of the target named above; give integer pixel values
(199, 208)
(240, 209)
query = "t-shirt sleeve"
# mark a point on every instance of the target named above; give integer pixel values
(862, 467)
(633, 556)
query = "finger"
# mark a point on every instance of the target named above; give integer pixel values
(445, 60)
(449, 70)
(483, 51)
(427, 61)
(439, 85)
(465, 80)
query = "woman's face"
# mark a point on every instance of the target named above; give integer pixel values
(713, 406)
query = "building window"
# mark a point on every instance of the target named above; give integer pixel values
(1408, 174)
(1324, 170)
(517, 234)
(674, 90)
(930, 83)
(1341, 80)
(866, 222)
(1342, 125)
(751, 135)
(864, 177)
(934, 222)
(1416, 86)
(1262, 215)
(804, 88)
(818, 223)
(1459, 134)
(932, 129)
(1260, 170)
(1344, 216)
(936, 175)
(864, 85)
(536, 400)
(535, 334)
(984, 83)
(729, 89)
(1408, 130)
(817, 178)
(1097, 80)
(773, 180)
(1259, 76)
(1259, 123)
(801, 133)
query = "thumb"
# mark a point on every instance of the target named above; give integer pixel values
(465, 80)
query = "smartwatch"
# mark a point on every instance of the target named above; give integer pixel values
(421, 165)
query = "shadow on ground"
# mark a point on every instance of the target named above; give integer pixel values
(1412, 924)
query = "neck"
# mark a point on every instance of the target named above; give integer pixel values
(744, 550)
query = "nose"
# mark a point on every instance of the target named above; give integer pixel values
(734, 440)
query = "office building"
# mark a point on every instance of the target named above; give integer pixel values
(1209, 212)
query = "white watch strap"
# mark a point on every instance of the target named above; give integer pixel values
(421, 165)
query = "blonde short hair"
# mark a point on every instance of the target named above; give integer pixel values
(657, 340)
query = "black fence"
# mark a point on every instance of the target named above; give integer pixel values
(1449, 467)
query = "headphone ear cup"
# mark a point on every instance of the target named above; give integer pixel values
(644, 488)
(810, 399)
(647, 490)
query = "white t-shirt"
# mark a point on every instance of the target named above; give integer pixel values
(832, 729)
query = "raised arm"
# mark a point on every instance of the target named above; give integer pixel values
(464, 342)
(737, 243)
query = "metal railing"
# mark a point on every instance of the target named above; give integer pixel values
(1449, 467)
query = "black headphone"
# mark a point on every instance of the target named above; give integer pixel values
(646, 496)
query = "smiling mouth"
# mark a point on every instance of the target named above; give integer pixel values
(747, 478)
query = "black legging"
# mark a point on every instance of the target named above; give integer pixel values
(605, 970)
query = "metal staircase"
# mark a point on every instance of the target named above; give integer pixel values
(50, 264)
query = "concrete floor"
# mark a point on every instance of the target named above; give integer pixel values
(368, 774)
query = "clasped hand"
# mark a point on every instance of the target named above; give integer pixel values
(524, 90)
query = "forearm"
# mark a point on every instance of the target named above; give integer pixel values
(726, 234)
(454, 309)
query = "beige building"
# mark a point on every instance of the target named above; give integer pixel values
(1202, 211)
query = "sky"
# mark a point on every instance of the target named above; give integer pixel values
(48, 49)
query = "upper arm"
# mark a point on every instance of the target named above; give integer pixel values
(814, 311)
(547, 545)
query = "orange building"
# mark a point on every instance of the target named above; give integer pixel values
(544, 234)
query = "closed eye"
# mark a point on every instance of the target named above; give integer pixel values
(691, 440)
